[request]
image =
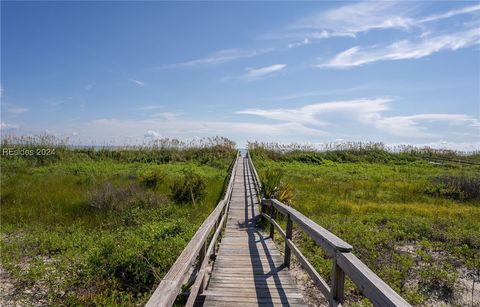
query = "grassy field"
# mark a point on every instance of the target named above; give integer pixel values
(102, 227)
(413, 222)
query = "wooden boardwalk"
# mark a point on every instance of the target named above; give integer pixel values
(248, 270)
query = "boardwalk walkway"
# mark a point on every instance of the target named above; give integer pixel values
(248, 270)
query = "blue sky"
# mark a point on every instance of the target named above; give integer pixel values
(128, 72)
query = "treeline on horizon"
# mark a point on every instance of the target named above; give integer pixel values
(374, 152)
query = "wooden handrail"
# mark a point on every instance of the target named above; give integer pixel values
(344, 262)
(170, 286)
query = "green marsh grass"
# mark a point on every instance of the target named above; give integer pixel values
(65, 251)
(420, 243)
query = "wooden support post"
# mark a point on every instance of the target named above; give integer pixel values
(272, 216)
(338, 283)
(217, 223)
(201, 257)
(263, 208)
(288, 236)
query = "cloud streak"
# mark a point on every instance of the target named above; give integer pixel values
(364, 111)
(309, 114)
(137, 82)
(404, 49)
(353, 19)
(252, 74)
(219, 57)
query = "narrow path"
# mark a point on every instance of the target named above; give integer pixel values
(248, 270)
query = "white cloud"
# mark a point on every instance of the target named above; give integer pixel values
(404, 49)
(410, 125)
(152, 135)
(305, 41)
(464, 10)
(7, 126)
(135, 131)
(367, 112)
(255, 73)
(309, 114)
(358, 17)
(137, 82)
(258, 73)
(352, 19)
(88, 87)
(218, 57)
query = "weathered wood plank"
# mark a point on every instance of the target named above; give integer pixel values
(249, 258)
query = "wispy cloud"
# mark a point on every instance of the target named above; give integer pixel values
(17, 110)
(261, 72)
(151, 107)
(359, 17)
(411, 125)
(137, 82)
(252, 74)
(132, 130)
(88, 87)
(452, 13)
(404, 49)
(365, 111)
(219, 57)
(352, 19)
(309, 114)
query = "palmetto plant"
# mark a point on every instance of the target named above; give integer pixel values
(274, 186)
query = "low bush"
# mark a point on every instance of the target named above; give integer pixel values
(189, 188)
(151, 178)
(274, 186)
(120, 198)
(460, 187)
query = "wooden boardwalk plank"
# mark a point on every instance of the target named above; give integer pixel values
(248, 270)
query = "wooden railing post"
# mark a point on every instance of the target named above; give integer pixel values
(288, 236)
(201, 257)
(272, 216)
(338, 283)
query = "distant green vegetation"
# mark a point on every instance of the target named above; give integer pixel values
(91, 226)
(414, 222)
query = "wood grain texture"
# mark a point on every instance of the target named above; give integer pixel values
(248, 270)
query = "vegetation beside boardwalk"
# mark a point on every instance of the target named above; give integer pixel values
(414, 222)
(102, 226)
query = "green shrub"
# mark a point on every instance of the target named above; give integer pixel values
(189, 188)
(151, 178)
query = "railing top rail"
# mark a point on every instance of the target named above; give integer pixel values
(330, 242)
(257, 178)
(171, 284)
(369, 283)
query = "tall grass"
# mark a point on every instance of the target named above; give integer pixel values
(355, 152)
(99, 226)
(408, 219)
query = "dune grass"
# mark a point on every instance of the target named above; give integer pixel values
(60, 248)
(424, 245)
